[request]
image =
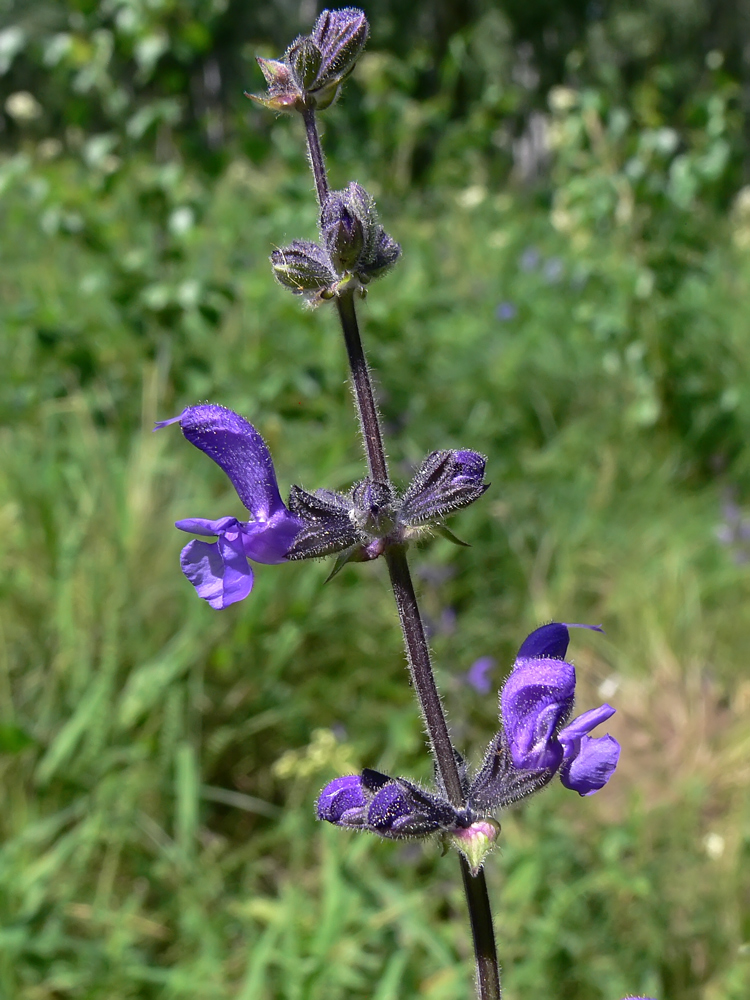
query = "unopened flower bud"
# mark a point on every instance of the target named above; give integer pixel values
(304, 59)
(355, 240)
(391, 807)
(343, 231)
(314, 66)
(340, 35)
(343, 801)
(445, 482)
(303, 267)
(383, 254)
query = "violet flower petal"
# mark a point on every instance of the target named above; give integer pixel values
(388, 805)
(203, 526)
(550, 640)
(269, 541)
(339, 797)
(218, 570)
(471, 466)
(536, 700)
(235, 445)
(582, 726)
(592, 767)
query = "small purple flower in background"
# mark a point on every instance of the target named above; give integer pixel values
(477, 674)
(734, 531)
(506, 311)
(529, 259)
(219, 570)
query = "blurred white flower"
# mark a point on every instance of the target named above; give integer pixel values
(23, 106)
(713, 845)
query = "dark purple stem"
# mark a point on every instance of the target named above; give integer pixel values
(367, 410)
(418, 655)
(415, 640)
(315, 152)
(483, 933)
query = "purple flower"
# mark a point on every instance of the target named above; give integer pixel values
(529, 259)
(536, 703)
(477, 673)
(506, 311)
(219, 570)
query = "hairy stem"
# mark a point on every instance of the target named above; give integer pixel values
(367, 410)
(415, 640)
(480, 915)
(418, 655)
(315, 152)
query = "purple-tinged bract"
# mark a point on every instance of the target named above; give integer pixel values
(220, 571)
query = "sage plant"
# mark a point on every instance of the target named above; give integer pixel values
(536, 738)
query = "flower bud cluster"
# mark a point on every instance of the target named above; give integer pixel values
(362, 523)
(354, 248)
(311, 71)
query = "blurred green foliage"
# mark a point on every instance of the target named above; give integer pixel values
(566, 182)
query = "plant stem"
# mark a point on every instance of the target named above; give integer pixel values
(480, 915)
(367, 410)
(415, 640)
(315, 152)
(418, 655)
